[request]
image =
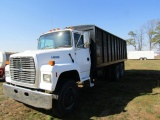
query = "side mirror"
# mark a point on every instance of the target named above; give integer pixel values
(86, 39)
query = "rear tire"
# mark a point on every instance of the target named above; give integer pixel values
(67, 99)
(121, 69)
(115, 72)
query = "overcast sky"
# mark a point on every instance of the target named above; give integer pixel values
(23, 21)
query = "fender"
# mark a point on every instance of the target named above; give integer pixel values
(55, 72)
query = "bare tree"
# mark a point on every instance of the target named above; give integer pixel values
(150, 31)
(140, 38)
(136, 39)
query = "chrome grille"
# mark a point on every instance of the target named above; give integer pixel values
(22, 69)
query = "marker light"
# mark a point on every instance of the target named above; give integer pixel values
(71, 27)
(7, 62)
(52, 63)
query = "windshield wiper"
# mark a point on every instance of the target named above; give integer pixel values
(47, 46)
(62, 46)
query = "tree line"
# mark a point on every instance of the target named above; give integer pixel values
(149, 32)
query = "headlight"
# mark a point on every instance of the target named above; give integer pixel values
(7, 73)
(47, 77)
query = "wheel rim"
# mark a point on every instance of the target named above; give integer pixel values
(69, 98)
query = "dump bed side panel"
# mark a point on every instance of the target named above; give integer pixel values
(110, 49)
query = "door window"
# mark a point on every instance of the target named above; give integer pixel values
(80, 42)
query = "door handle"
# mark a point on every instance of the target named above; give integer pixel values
(87, 59)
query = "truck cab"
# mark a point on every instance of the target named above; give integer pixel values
(51, 72)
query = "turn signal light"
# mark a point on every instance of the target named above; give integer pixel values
(52, 63)
(7, 62)
(69, 27)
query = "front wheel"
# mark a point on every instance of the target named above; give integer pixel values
(67, 99)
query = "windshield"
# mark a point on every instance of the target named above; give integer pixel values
(55, 40)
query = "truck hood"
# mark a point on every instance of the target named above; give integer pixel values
(60, 56)
(42, 57)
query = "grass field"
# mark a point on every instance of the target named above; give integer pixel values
(135, 97)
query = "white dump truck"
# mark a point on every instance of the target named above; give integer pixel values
(4, 59)
(49, 77)
(140, 55)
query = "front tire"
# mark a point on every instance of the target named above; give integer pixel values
(67, 99)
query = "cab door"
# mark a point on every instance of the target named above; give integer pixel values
(82, 56)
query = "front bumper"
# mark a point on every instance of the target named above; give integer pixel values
(30, 97)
